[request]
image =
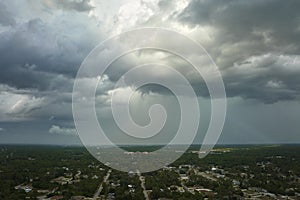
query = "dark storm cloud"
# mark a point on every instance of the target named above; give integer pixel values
(45, 55)
(237, 21)
(256, 44)
(268, 78)
(39, 59)
(37, 55)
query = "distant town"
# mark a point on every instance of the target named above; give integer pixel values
(228, 172)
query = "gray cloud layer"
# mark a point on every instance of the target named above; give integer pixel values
(5, 16)
(48, 53)
(256, 45)
(80, 6)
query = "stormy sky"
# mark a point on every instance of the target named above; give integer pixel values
(255, 44)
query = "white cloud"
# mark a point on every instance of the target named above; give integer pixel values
(18, 104)
(62, 131)
(274, 84)
(135, 13)
(25, 104)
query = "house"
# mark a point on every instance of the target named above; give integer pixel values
(26, 188)
(207, 192)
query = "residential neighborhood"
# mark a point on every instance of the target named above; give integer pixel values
(267, 172)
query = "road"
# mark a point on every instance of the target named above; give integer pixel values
(97, 193)
(207, 176)
(142, 179)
